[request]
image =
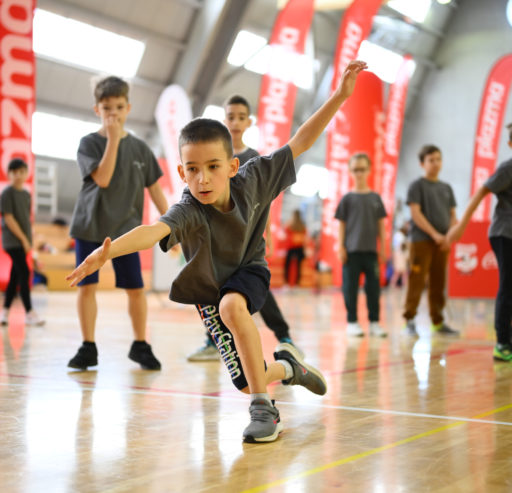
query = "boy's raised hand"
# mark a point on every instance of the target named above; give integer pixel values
(348, 79)
(91, 264)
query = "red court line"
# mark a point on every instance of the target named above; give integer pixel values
(451, 352)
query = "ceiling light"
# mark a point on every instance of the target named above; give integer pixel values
(416, 10)
(84, 45)
(382, 62)
(58, 136)
(509, 12)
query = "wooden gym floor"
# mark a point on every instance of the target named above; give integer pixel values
(401, 415)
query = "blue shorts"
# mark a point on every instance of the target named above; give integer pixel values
(253, 281)
(126, 267)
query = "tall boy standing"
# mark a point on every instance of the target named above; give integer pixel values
(15, 205)
(116, 167)
(220, 222)
(237, 120)
(361, 214)
(432, 205)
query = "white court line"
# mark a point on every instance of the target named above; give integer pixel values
(285, 403)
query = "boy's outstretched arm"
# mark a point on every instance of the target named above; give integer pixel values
(456, 231)
(139, 238)
(310, 130)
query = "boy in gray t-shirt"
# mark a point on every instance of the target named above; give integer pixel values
(115, 168)
(500, 237)
(219, 223)
(361, 214)
(432, 205)
(15, 205)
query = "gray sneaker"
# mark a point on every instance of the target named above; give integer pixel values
(410, 328)
(205, 353)
(303, 374)
(265, 424)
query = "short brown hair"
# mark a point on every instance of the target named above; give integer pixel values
(426, 150)
(206, 130)
(236, 99)
(360, 155)
(111, 87)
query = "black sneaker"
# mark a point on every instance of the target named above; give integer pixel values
(86, 356)
(410, 328)
(303, 374)
(265, 424)
(141, 353)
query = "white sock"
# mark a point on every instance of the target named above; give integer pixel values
(288, 369)
(261, 396)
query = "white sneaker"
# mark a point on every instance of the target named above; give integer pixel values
(4, 318)
(354, 329)
(33, 319)
(376, 330)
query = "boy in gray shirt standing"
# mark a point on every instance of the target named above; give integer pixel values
(432, 205)
(116, 167)
(361, 214)
(15, 203)
(500, 237)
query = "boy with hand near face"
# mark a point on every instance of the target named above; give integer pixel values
(116, 166)
(361, 214)
(237, 120)
(220, 222)
(432, 205)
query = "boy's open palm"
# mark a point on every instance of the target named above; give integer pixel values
(348, 79)
(91, 264)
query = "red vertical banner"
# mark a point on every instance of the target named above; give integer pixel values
(17, 93)
(355, 27)
(490, 121)
(395, 110)
(278, 91)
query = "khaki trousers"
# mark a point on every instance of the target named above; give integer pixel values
(427, 261)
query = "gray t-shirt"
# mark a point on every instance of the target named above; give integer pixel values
(116, 209)
(216, 244)
(361, 213)
(500, 183)
(17, 203)
(436, 202)
(246, 155)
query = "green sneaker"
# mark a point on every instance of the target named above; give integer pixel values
(502, 352)
(442, 328)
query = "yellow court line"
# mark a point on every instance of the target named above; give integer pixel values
(374, 451)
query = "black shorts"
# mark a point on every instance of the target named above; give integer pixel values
(252, 282)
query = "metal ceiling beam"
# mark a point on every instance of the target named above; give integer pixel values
(212, 35)
(62, 6)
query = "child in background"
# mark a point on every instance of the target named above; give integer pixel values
(432, 205)
(220, 222)
(295, 238)
(500, 237)
(361, 214)
(15, 206)
(116, 167)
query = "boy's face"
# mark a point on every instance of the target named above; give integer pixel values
(18, 176)
(359, 169)
(432, 164)
(116, 107)
(206, 169)
(237, 120)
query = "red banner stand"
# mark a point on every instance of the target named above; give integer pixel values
(472, 266)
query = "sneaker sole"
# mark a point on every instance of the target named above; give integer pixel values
(269, 438)
(83, 368)
(144, 367)
(293, 350)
